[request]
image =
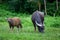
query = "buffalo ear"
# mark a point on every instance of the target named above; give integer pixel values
(8, 19)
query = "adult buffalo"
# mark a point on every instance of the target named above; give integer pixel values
(15, 21)
(38, 20)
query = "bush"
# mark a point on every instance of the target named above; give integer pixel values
(56, 23)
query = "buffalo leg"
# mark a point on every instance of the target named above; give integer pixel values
(20, 25)
(18, 28)
(34, 26)
(12, 28)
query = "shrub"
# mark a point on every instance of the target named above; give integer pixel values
(56, 23)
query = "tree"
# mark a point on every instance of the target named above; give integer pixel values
(57, 4)
(38, 3)
(17, 5)
(45, 6)
(0, 1)
(56, 8)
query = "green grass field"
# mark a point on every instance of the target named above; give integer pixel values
(52, 28)
(27, 32)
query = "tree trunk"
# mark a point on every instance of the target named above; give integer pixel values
(57, 4)
(0, 1)
(39, 5)
(45, 6)
(54, 14)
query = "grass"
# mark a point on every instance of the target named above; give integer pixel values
(27, 33)
(52, 28)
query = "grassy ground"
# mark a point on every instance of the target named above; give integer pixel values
(27, 33)
(52, 28)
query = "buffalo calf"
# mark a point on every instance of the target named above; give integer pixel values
(14, 22)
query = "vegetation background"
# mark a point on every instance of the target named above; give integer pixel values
(24, 9)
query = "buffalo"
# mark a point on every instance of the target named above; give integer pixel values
(38, 20)
(15, 21)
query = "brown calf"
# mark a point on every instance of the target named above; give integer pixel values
(14, 22)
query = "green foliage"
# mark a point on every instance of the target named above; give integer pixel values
(30, 7)
(58, 13)
(51, 9)
(24, 6)
(56, 22)
(52, 21)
